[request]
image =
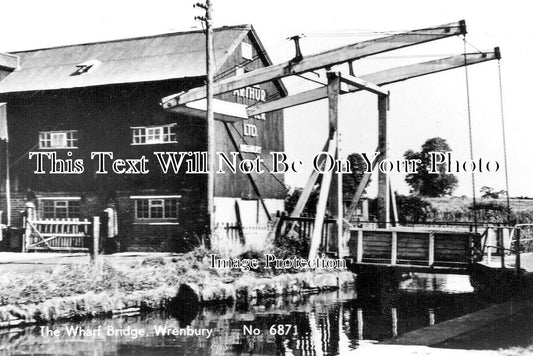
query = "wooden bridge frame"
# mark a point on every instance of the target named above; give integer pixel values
(420, 250)
(337, 84)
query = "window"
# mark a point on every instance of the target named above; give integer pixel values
(246, 51)
(58, 139)
(157, 207)
(60, 208)
(154, 134)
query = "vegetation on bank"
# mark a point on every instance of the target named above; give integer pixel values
(125, 275)
(117, 275)
(113, 275)
(120, 285)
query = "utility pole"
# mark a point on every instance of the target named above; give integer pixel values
(210, 68)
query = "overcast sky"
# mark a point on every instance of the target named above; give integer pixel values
(420, 108)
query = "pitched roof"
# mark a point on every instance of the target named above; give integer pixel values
(143, 59)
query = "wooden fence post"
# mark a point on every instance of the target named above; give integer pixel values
(517, 251)
(24, 238)
(394, 248)
(279, 226)
(96, 238)
(359, 246)
(239, 222)
(501, 247)
(489, 248)
(394, 314)
(30, 212)
(431, 252)
(359, 324)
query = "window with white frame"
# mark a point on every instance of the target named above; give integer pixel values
(246, 51)
(147, 135)
(156, 207)
(60, 208)
(58, 139)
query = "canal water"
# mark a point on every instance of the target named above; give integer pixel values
(333, 323)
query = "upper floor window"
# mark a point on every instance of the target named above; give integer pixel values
(58, 139)
(147, 135)
(246, 51)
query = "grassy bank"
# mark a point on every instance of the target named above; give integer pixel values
(118, 284)
(112, 275)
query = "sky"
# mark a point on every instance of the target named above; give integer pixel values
(421, 108)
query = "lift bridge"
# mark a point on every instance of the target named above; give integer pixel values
(387, 246)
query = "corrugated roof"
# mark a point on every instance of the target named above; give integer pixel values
(144, 59)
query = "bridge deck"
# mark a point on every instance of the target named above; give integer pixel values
(423, 250)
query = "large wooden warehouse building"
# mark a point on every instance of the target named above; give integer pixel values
(105, 97)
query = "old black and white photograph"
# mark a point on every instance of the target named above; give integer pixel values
(230, 177)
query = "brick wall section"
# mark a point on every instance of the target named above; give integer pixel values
(133, 235)
(18, 201)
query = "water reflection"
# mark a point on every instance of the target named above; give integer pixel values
(322, 324)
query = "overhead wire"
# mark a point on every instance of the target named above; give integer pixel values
(504, 142)
(469, 114)
(474, 47)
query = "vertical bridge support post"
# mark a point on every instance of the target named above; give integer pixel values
(431, 252)
(335, 192)
(333, 96)
(383, 182)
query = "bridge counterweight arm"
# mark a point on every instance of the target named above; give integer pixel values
(388, 76)
(321, 60)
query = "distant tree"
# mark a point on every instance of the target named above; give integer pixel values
(426, 184)
(310, 207)
(490, 210)
(351, 181)
(413, 209)
(488, 192)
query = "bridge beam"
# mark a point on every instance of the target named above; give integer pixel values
(384, 77)
(321, 60)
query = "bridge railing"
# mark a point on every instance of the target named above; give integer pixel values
(303, 228)
(415, 247)
(505, 241)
